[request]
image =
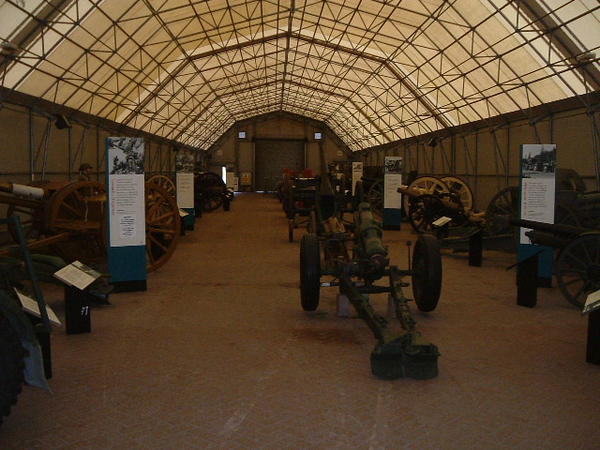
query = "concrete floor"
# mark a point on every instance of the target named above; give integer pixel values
(218, 354)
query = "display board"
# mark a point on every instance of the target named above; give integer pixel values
(184, 178)
(126, 212)
(537, 199)
(357, 174)
(392, 199)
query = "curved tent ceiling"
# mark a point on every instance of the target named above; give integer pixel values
(374, 71)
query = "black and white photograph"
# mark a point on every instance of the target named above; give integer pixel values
(184, 161)
(393, 164)
(126, 155)
(538, 160)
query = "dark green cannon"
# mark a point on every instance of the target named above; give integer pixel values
(355, 261)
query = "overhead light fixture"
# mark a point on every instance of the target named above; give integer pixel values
(61, 122)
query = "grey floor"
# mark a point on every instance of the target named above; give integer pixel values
(218, 354)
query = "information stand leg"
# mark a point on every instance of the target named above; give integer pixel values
(476, 249)
(527, 282)
(43, 338)
(593, 338)
(77, 311)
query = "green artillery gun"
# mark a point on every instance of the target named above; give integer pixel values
(357, 260)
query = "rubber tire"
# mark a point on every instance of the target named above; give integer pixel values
(427, 272)
(11, 366)
(310, 272)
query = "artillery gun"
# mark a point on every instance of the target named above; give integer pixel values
(577, 266)
(356, 261)
(69, 219)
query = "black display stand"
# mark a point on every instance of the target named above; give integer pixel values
(476, 249)
(129, 286)
(527, 282)
(77, 311)
(593, 338)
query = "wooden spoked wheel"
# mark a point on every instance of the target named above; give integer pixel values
(163, 225)
(164, 182)
(374, 197)
(578, 268)
(502, 207)
(78, 208)
(461, 189)
(424, 185)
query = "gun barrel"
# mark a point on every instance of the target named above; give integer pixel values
(369, 232)
(555, 229)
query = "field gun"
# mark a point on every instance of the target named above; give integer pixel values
(357, 260)
(577, 266)
(69, 219)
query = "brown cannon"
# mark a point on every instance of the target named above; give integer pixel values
(69, 219)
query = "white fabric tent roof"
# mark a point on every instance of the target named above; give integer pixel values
(375, 71)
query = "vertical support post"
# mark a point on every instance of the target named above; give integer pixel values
(69, 151)
(476, 249)
(527, 281)
(31, 145)
(97, 153)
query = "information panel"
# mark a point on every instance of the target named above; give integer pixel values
(126, 215)
(538, 166)
(184, 167)
(357, 174)
(392, 199)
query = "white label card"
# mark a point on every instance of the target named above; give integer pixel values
(77, 274)
(185, 190)
(30, 306)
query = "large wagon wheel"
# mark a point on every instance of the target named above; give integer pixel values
(503, 207)
(424, 185)
(79, 209)
(163, 225)
(164, 182)
(374, 197)
(461, 189)
(578, 268)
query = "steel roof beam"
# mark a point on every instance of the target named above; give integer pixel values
(561, 41)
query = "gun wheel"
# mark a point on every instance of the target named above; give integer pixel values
(164, 182)
(163, 226)
(310, 272)
(426, 185)
(426, 272)
(578, 268)
(374, 197)
(461, 189)
(11, 366)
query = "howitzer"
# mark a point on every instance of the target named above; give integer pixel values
(356, 261)
(69, 218)
(577, 266)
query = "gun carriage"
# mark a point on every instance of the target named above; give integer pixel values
(210, 192)
(69, 218)
(357, 262)
(577, 265)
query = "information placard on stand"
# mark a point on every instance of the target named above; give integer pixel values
(538, 166)
(357, 174)
(184, 166)
(392, 199)
(126, 214)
